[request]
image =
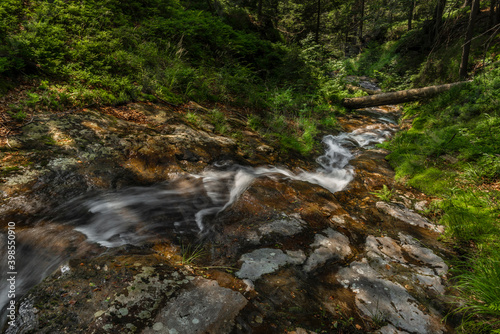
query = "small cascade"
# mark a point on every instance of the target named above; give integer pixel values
(183, 206)
(134, 215)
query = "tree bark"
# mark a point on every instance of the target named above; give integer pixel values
(493, 4)
(318, 21)
(497, 14)
(361, 20)
(397, 97)
(410, 14)
(464, 63)
(438, 18)
(210, 7)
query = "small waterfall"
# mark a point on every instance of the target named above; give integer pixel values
(134, 215)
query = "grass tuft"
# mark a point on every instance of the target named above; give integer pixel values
(191, 252)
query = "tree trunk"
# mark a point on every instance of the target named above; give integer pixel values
(438, 19)
(210, 7)
(397, 97)
(464, 63)
(410, 14)
(318, 21)
(497, 14)
(346, 45)
(467, 3)
(362, 12)
(493, 4)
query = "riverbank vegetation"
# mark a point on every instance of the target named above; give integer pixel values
(284, 64)
(452, 152)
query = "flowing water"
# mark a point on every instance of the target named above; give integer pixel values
(185, 205)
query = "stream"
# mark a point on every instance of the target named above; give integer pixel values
(301, 227)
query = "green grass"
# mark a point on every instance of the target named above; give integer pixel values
(482, 286)
(191, 252)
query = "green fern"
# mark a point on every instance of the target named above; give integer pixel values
(385, 194)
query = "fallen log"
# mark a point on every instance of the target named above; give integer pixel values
(397, 97)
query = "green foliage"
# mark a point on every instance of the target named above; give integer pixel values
(254, 122)
(90, 52)
(218, 119)
(389, 63)
(118, 52)
(193, 118)
(94, 52)
(385, 194)
(17, 113)
(482, 288)
(453, 151)
(440, 67)
(329, 121)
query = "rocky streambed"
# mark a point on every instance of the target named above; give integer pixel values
(154, 224)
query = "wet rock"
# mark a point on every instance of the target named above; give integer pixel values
(380, 298)
(423, 254)
(387, 257)
(95, 300)
(302, 331)
(331, 245)
(26, 319)
(390, 329)
(26, 177)
(385, 248)
(369, 85)
(408, 216)
(203, 307)
(267, 260)
(287, 226)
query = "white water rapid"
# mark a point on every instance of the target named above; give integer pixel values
(133, 215)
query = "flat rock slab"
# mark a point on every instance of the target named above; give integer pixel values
(204, 307)
(390, 329)
(408, 216)
(287, 226)
(377, 297)
(387, 257)
(384, 248)
(267, 260)
(331, 245)
(423, 254)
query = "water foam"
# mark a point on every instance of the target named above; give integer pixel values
(133, 215)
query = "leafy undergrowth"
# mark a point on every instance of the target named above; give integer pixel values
(67, 55)
(452, 151)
